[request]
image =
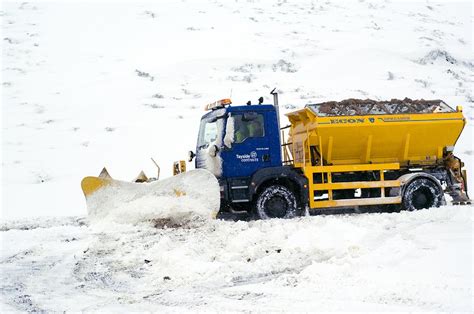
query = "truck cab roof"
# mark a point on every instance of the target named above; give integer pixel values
(220, 112)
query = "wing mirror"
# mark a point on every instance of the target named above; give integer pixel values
(191, 155)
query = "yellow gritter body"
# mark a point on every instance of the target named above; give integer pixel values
(402, 138)
(322, 145)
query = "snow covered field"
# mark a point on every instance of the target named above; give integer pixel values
(93, 84)
(400, 262)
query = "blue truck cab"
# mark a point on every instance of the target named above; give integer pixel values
(241, 146)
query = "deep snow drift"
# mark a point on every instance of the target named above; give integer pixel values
(93, 84)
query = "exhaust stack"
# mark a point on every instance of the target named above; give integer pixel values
(275, 104)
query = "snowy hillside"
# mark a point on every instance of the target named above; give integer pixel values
(92, 85)
(101, 83)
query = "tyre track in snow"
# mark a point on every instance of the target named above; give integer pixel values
(32, 268)
(42, 222)
(322, 260)
(96, 268)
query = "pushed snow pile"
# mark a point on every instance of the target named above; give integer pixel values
(188, 196)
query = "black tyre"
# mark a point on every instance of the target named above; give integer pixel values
(422, 193)
(275, 201)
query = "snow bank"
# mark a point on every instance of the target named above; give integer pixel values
(408, 261)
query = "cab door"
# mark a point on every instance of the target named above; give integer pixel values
(252, 148)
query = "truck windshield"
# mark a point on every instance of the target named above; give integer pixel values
(207, 133)
(211, 129)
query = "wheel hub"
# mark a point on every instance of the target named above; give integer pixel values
(422, 198)
(276, 207)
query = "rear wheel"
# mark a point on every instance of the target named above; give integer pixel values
(422, 193)
(275, 201)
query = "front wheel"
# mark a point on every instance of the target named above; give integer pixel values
(275, 201)
(422, 193)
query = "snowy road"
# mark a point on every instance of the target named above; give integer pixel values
(408, 261)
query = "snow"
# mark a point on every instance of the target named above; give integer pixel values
(229, 131)
(119, 83)
(409, 261)
(175, 199)
(93, 84)
(212, 158)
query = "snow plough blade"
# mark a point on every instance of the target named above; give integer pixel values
(190, 194)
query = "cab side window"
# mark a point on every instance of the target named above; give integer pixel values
(248, 126)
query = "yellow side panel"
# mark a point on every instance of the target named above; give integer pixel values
(356, 185)
(402, 138)
(356, 202)
(347, 168)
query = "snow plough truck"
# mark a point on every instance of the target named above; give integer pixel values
(333, 155)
